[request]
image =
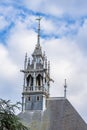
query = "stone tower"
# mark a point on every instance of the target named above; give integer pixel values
(36, 79)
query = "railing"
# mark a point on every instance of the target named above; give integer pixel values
(35, 89)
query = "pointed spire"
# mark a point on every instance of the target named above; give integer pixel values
(45, 62)
(38, 38)
(49, 68)
(28, 61)
(65, 86)
(25, 62)
(38, 49)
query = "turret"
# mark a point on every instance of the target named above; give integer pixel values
(36, 79)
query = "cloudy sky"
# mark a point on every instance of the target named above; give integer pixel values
(63, 38)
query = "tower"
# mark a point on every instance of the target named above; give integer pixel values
(59, 113)
(36, 79)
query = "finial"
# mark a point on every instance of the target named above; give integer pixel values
(49, 67)
(44, 54)
(25, 62)
(46, 62)
(65, 86)
(26, 57)
(28, 61)
(38, 39)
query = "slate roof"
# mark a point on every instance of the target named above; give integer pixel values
(59, 115)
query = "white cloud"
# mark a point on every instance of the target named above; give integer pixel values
(47, 26)
(21, 41)
(66, 56)
(74, 8)
(8, 74)
(5, 10)
(81, 38)
(7, 68)
(71, 7)
(3, 23)
(60, 27)
(68, 61)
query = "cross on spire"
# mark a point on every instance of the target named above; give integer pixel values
(38, 38)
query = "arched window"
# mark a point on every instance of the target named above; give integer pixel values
(39, 80)
(29, 80)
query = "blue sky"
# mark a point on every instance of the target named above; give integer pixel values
(63, 38)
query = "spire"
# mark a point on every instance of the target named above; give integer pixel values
(38, 38)
(25, 62)
(65, 86)
(38, 50)
(49, 68)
